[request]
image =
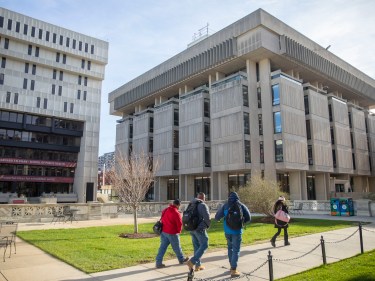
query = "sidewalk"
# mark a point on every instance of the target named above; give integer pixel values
(32, 264)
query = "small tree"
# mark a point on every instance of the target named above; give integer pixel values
(132, 178)
(260, 194)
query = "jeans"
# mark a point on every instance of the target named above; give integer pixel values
(234, 246)
(165, 240)
(278, 233)
(200, 244)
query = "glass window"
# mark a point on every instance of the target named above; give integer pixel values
(353, 159)
(332, 135)
(34, 69)
(64, 58)
(86, 47)
(33, 31)
(6, 43)
(60, 90)
(45, 103)
(38, 102)
(65, 106)
(67, 41)
(275, 94)
(79, 94)
(245, 95)
(175, 117)
(334, 158)
(1, 78)
(25, 83)
(47, 36)
(246, 123)
(89, 65)
(85, 82)
(54, 74)
(1, 21)
(259, 97)
(151, 124)
(18, 24)
(37, 51)
(247, 152)
(9, 24)
(207, 157)
(207, 132)
(61, 77)
(53, 89)
(308, 130)
(310, 154)
(16, 98)
(57, 57)
(71, 107)
(206, 108)
(54, 37)
(26, 67)
(330, 112)
(261, 152)
(279, 151)
(25, 27)
(277, 122)
(92, 49)
(260, 124)
(175, 138)
(83, 64)
(40, 33)
(7, 99)
(350, 119)
(32, 86)
(306, 101)
(61, 40)
(29, 50)
(3, 62)
(79, 79)
(84, 95)
(74, 43)
(80, 45)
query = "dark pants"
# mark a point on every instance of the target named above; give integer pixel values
(278, 233)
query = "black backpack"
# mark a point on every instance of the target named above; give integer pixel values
(234, 218)
(190, 217)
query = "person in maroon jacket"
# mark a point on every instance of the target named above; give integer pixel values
(172, 226)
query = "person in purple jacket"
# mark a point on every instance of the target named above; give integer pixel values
(233, 236)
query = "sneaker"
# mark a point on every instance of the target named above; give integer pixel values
(234, 273)
(190, 264)
(286, 244)
(199, 267)
(162, 265)
(184, 260)
(273, 243)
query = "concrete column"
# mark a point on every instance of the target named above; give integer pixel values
(321, 186)
(163, 190)
(223, 178)
(361, 184)
(219, 76)
(214, 186)
(297, 185)
(254, 124)
(268, 135)
(182, 187)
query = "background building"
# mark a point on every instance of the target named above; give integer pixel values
(255, 97)
(50, 88)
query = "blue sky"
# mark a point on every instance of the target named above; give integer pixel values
(144, 33)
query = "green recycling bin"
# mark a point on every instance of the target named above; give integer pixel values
(335, 207)
(346, 207)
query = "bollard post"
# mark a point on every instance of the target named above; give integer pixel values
(360, 236)
(270, 265)
(323, 250)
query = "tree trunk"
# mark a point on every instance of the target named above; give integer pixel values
(135, 218)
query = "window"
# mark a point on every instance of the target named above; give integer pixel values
(83, 64)
(257, 71)
(206, 108)
(277, 122)
(275, 95)
(45, 103)
(74, 43)
(350, 120)
(334, 158)
(53, 89)
(64, 58)
(332, 135)
(261, 152)
(54, 37)
(33, 71)
(247, 151)
(32, 86)
(245, 95)
(7, 100)
(67, 43)
(92, 49)
(175, 117)
(85, 82)
(1, 78)
(175, 138)
(246, 123)
(207, 132)
(25, 83)
(60, 90)
(260, 124)
(33, 31)
(84, 95)
(26, 67)
(29, 50)
(353, 159)
(86, 47)
(310, 154)
(16, 98)
(1, 21)
(80, 45)
(71, 107)
(151, 124)
(207, 157)
(330, 112)
(351, 140)
(37, 51)
(279, 151)
(79, 79)
(61, 40)
(3, 62)
(40, 33)
(65, 106)
(57, 57)
(47, 36)
(306, 101)
(259, 97)
(89, 65)
(61, 76)
(150, 144)
(25, 27)
(18, 24)
(38, 102)
(79, 94)
(308, 130)
(6, 43)
(9, 24)
(54, 74)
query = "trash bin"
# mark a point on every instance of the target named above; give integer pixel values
(346, 207)
(335, 207)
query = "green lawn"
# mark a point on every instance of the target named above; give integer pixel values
(358, 268)
(96, 249)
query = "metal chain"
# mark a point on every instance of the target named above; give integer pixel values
(367, 229)
(299, 256)
(334, 242)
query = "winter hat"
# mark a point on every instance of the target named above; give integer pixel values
(281, 198)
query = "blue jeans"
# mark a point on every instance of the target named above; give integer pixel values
(165, 240)
(200, 244)
(234, 246)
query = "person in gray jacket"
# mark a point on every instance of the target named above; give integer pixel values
(199, 236)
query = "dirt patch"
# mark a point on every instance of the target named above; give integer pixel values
(270, 220)
(138, 235)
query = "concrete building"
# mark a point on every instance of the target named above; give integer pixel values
(106, 161)
(50, 88)
(255, 97)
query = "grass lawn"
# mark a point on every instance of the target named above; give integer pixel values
(96, 249)
(358, 268)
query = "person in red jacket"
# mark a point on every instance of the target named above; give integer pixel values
(172, 226)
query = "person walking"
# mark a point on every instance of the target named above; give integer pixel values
(280, 204)
(233, 229)
(172, 226)
(199, 236)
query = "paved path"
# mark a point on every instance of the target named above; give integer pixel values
(32, 264)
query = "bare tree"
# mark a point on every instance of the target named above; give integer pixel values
(132, 178)
(260, 194)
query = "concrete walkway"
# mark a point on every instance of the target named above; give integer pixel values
(32, 264)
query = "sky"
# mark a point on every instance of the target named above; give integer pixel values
(144, 33)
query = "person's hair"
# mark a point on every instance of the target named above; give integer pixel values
(177, 202)
(201, 195)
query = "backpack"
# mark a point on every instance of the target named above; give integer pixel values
(234, 218)
(190, 217)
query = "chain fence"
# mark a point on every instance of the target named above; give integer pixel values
(271, 259)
